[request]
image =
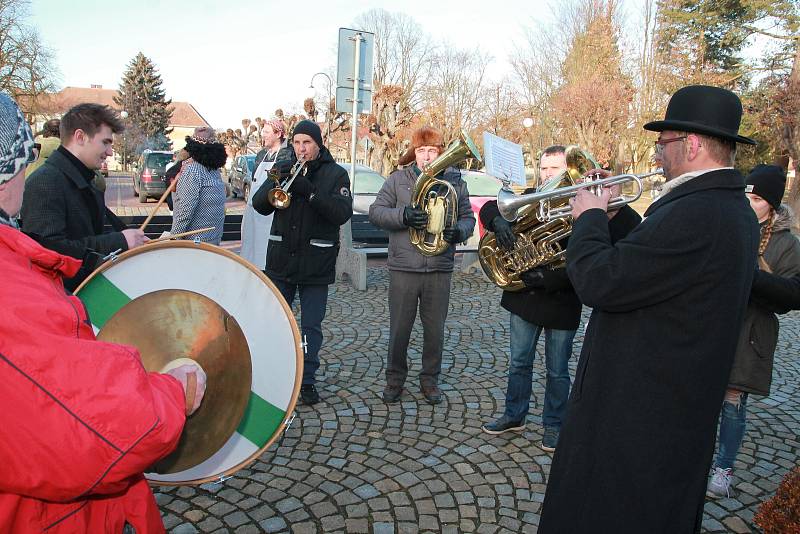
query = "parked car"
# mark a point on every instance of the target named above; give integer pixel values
(365, 187)
(149, 178)
(482, 188)
(240, 176)
(104, 168)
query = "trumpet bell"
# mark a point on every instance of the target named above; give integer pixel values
(279, 198)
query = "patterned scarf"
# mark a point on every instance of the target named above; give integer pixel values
(16, 139)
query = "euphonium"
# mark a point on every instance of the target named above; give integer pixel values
(438, 198)
(542, 219)
(279, 196)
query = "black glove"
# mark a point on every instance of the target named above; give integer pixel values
(534, 279)
(415, 218)
(451, 234)
(502, 232)
(281, 170)
(302, 187)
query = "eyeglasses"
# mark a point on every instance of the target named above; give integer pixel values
(661, 143)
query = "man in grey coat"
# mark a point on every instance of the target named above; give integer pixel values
(416, 279)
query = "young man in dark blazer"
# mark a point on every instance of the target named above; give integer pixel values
(61, 208)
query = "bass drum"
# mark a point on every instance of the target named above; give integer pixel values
(182, 299)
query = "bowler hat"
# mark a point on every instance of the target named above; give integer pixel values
(705, 110)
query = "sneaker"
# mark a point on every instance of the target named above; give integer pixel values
(392, 394)
(309, 394)
(432, 393)
(503, 425)
(720, 484)
(550, 438)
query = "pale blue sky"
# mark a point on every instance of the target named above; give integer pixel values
(251, 56)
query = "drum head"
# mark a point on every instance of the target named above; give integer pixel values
(182, 299)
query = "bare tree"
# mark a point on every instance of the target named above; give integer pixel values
(537, 68)
(593, 103)
(26, 65)
(403, 52)
(401, 63)
(453, 96)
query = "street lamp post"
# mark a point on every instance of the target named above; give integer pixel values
(327, 107)
(527, 122)
(124, 115)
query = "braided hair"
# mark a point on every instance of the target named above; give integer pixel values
(766, 235)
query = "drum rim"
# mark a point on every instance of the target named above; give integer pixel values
(292, 321)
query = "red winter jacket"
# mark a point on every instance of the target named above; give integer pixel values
(80, 419)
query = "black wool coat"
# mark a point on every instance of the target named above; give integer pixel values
(668, 303)
(65, 213)
(556, 305)
(304, 239)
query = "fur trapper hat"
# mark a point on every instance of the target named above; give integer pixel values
(425, 136)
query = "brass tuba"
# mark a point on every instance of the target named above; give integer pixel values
(438, 198)
(542, 219)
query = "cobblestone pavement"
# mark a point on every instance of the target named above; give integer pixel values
(354, 464)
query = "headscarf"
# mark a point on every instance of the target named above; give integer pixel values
(16, 139)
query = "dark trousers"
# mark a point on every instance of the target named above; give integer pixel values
(431, 291)
(313, 302)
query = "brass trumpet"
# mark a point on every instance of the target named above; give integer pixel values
(509, 203)
(279, 196)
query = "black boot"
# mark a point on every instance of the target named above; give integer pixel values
(309, 394)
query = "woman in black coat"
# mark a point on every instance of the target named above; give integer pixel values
(778, 256)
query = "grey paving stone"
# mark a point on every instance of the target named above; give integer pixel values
(352, 462)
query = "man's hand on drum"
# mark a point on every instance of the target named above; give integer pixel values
(182, 373)
(134, 237)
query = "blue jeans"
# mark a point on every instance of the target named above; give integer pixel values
(557, 351)
(732, 425)
(313, 300)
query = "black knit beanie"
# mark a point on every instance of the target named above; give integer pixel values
(768, 182)
(311, 129)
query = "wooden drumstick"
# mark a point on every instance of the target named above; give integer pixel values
(182, 234)
(160, 201)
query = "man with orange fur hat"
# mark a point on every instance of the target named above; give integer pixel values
(416, 279)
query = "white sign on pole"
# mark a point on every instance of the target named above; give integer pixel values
(348, 72)
(503, 159)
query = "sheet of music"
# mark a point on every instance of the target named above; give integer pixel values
(503, 159)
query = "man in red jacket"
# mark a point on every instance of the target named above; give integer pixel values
(81, 419)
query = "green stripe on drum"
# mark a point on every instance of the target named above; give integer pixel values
(260, 420)
(102, 300)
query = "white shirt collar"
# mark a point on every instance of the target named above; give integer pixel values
(685, 177)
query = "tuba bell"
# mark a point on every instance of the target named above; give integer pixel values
(543, 218)
(438, 198)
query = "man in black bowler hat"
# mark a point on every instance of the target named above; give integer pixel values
(668, 303)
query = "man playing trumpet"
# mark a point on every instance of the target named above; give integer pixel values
(304, 239)
(668, 304)
(417, 280)
(548, 303)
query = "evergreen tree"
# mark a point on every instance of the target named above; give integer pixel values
(149, 112)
